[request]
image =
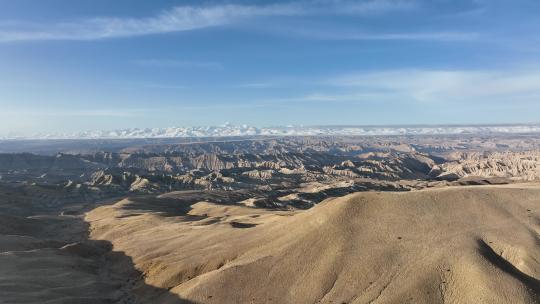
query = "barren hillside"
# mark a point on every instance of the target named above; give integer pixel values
(425, 246)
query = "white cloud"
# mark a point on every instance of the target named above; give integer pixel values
(185, 18)
(511, 88)
(165, 86)
(253, 85)
(411, 36)
(72, 113)
(163, 63)
(349, 7)
(445, 85)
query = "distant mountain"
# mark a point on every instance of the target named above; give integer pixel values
(228, 130)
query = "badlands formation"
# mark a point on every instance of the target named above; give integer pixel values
(389, 219)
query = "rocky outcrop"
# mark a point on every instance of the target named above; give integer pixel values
(513, 165)
(279, 165)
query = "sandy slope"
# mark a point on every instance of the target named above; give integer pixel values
(47, 258)
(38, 265)
(451, 245)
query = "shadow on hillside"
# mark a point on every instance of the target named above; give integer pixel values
(120, 269)
(532, 283)
(60, 244)
(179, 203)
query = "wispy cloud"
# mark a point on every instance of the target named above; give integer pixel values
(74, 113)
(115, 112)
(445, 85)
(164, 63)
(164, 86)
(414, 86)
(340, 34)
(349, 7)
(321, 97)
(186, 18)
(252, 85)
(183, 18)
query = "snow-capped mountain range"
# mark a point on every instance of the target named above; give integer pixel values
(228, 130)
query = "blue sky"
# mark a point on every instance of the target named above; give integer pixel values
(72, 65)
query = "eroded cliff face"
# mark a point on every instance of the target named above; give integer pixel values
(513, 165)
(282, 167)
